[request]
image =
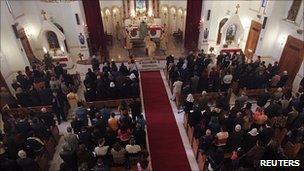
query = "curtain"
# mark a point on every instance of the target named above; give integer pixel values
(95, 28)
(194, 9)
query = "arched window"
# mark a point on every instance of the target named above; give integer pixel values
(52, 40)
(219, 34)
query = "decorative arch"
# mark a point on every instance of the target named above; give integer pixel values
(219, 34)
(234, 20)
(50, 28)
(172, 18)
(52, 40)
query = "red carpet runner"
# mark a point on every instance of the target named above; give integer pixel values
(166, 146)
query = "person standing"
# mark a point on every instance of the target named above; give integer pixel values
(72, 99)
(81, 113)
(135, 109)
(177, 89)
(95, 63)
(58, 107)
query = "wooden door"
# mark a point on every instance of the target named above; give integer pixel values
(292, 58)
(253, 38)
(26, 46)
(219, 34)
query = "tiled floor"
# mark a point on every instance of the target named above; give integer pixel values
(118, 53)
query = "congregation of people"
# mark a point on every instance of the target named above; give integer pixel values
(42, 86)
(274, 130)
(111, 81)
(110, 140)
(205, 72)
(98, 139)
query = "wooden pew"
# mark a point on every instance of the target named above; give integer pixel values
(251, 93)
(37, 109)
(108, 103)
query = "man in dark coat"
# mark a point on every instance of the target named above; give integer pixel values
(95, 63)
(58, 107)
(27, 164)
(69, 158)
(263, 98)
(266, 134)
(235, 138)
(135, 108)
(58, 69)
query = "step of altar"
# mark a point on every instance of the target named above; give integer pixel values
(149, 65)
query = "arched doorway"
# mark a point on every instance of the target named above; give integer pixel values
(219, 34)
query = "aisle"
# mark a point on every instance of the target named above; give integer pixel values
(166, 147)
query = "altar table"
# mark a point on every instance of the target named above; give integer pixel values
(154, 31)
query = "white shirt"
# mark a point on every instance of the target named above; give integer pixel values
(133, 148)
(177, 86)
(101, 151)
(227, 79)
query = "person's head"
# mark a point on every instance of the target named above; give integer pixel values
(132, 141)
(35, 120)
(285, 73)
(57, 63)
(113, 115)
(19, 72)
(223, 129)
(112, 84)
(279, 89)
(22, 154)
(248, 105)
(204, 93)
(141, 116)
(117, 146)
(208, 132)
(101, 142)
(79, 104)
(69, 129)
(238, 128)
(19, 90)
(43, 110)
(89, 70)
(27, 68)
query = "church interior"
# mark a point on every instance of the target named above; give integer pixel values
(142, 85)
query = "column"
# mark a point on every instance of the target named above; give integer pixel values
(95, 28)
(193, 17)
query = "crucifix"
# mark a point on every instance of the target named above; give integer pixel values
(43, 13)
(237, 8)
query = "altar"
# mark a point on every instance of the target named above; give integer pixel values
(154, 31)
(139, 12)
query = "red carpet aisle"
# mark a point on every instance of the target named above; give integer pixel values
(166, 147)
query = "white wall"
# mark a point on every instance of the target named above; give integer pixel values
(12, 55)
(272, 38)
(62, 13)
(177, 4)
(224, 9)
(277, 31)
(110, 3)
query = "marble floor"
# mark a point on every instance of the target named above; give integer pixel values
(117, 51)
